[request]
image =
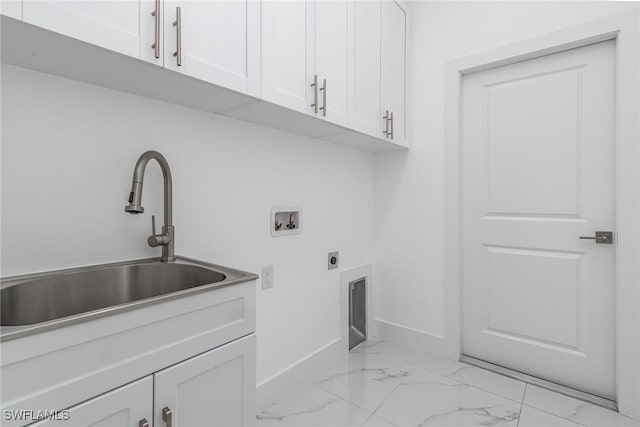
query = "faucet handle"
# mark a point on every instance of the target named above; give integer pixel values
(157, 239)
(153, 225)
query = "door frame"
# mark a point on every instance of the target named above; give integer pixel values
(624, 28)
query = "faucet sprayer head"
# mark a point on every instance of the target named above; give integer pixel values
(135, 198)
(134, 209)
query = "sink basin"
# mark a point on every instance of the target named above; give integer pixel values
(60, 297)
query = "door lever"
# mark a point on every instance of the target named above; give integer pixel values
(601, 237)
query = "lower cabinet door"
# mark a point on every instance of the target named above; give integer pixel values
(216, 388)
(126, 406)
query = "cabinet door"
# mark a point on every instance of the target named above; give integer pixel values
(367, 67)
(215, 41)
(216, 388)
(114, 25)
(334, 56)
(12, 8)
(126, 406)
(285, 47)
(394, 65)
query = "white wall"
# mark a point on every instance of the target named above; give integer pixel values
(410, 186)
(68, 151)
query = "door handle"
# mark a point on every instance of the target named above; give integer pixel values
(156, 44)
(324, 97)
(143, 423)
(167, 416)
(391, 121)
(178, 24)
(601, 237)
(314, 85)
(385, 132)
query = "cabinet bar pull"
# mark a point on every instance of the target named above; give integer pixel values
(324, 97)
(156, 43)
(385, 132)
(314, 85)
(143, 423)
(166, 416)
(178, 52)
(391, 120)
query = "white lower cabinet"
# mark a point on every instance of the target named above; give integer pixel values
(127, 406)
(216, 388)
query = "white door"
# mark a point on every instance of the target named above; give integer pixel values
(538, 173)
(284, 54)
(127, 406)
(114, 25)
(394, 27)
(334, 59)
(214, 41)
(216, 388)
(367, 67)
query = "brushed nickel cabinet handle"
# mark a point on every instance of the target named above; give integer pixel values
(314, 85)
(324, 97)
(391, 131)
(143, 423)
(178, 24)
(167, 416)
(156, 44)
(385, 132)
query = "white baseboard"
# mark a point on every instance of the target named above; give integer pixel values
(412, 339)
(297, 373)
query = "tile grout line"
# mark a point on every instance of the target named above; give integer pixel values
(522, 404)
(365, 409)
(366, 421)
(557, 416)
(392, 391)
(480, 388)
(343, 399)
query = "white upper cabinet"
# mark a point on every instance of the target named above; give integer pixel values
(342, 62)
(394, 24)
(114, 25)
(334, 59)
(215, 41)
(367, 67)
(305, 41)
(284, 53)
(12, 8)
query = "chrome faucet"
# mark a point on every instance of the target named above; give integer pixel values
(166, 239)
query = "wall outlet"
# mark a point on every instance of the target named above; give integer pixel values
(333, 260)
(267, 277)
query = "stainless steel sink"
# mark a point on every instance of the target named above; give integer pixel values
(38, 302)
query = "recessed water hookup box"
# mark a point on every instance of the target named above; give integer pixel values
(285, 221)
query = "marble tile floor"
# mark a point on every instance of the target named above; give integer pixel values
(379, 384)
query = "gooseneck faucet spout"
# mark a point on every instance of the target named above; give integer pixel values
(166, 239)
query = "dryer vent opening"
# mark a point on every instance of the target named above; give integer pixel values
(357, 312)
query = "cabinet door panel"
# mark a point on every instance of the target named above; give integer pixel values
(334, 57)
(284, 53)
(394, 65)
(114, 25)
(12, 8)
(216, 388)
(122, 407)
(367, 67)
(215, 37)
